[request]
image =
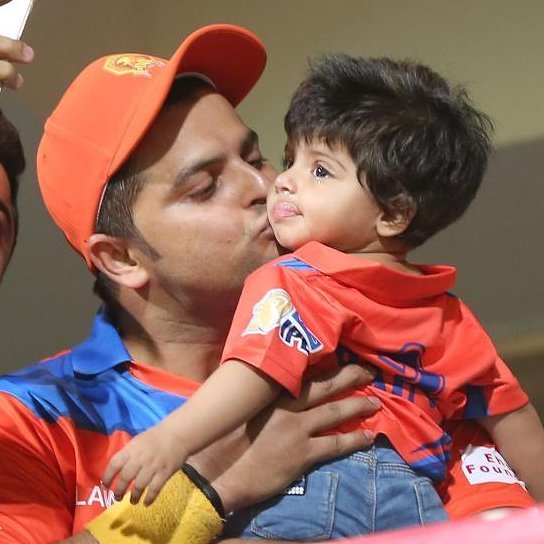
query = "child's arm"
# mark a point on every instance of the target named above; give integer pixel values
(519, 436)
(232, 395)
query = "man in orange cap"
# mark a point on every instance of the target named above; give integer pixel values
(154, 179)
(134, 132)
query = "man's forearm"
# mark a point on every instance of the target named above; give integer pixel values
(86, 538)
(245, 541)
(81, 538)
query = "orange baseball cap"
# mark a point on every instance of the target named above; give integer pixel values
(111, 104)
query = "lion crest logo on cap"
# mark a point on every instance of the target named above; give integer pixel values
(136, 65)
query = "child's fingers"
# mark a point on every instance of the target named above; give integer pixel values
(136, 494)
(117, 462)
(155, 486)
(145, 475)
(125, 477)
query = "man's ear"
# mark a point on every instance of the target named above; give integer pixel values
(393, 221)
(115, 259)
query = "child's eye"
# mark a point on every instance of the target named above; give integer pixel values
(320, 172)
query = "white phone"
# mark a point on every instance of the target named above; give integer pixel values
(13, 17)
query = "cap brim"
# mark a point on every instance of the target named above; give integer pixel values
(232, 57)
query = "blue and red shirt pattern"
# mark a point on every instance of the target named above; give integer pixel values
(62, 419)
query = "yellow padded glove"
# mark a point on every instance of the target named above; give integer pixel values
(181, 514)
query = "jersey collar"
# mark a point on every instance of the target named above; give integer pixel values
(102, 350)
(380, 283)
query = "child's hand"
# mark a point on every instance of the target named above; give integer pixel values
(147, 461)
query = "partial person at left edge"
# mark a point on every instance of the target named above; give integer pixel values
(12, 164)
(12, 53)
(12, 160)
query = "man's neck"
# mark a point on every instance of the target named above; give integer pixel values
(177, 344)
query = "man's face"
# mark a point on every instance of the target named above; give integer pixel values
(203, 204)
(7, 222)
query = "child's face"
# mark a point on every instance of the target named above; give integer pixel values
(319, 197)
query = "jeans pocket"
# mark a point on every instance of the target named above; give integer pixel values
(307, 514)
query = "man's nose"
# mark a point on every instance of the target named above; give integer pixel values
(258, 182)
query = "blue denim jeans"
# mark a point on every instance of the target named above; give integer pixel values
(369, 491)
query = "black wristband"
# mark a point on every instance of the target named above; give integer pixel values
(206, 487)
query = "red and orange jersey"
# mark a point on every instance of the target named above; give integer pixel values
(319, 308)
(63, 418)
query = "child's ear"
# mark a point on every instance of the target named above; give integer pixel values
(115, 258)
(401, 209)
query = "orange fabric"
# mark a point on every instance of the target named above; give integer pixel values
(319, 308)
(178, 385)
(51, 488)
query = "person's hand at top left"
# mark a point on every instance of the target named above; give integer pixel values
(13, 52)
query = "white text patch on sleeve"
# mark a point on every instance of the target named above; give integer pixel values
(482, 465)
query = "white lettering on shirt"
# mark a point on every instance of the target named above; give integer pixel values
(96, 495)
(482, 465)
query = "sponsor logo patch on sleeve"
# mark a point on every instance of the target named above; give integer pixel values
(275, 310)
(482, 465)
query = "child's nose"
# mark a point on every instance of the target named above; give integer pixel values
(284, 182)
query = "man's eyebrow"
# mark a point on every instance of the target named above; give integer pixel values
(249, 143)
